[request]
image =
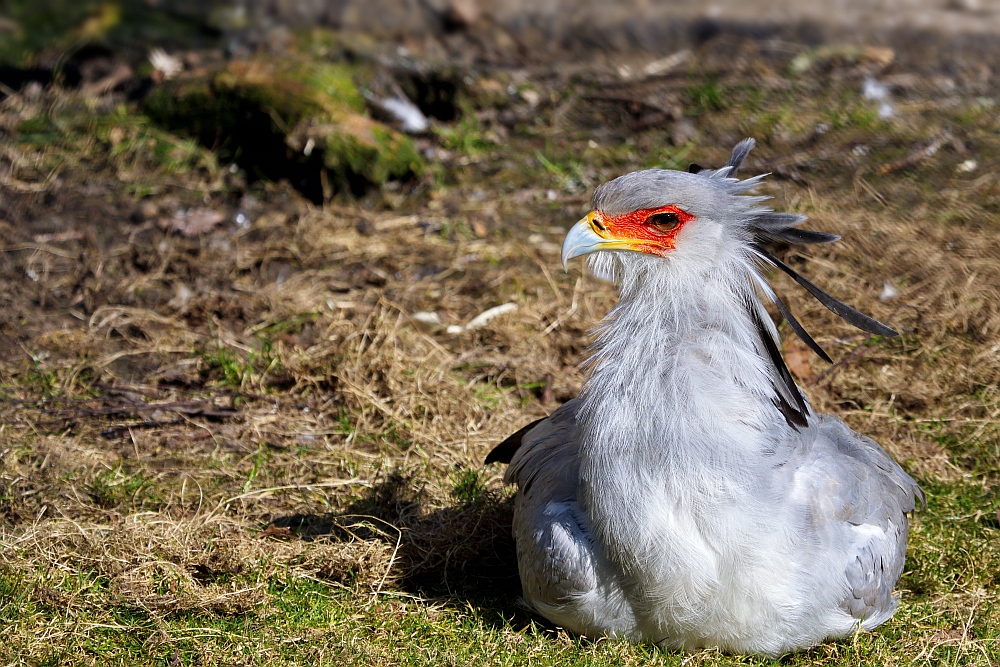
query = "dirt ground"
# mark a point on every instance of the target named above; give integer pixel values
(214, 385)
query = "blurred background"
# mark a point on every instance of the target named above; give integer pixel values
(35, 33)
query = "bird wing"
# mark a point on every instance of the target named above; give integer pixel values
(563, 575)
(548, 448)
(860, 495)
(504, 452)
(874, 489)
(554, 550)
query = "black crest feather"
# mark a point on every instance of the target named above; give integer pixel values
(769, 226)
(740, 153)
(850, 315)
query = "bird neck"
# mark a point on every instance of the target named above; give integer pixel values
(678, 379)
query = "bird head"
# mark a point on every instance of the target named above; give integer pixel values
(685, 224)
(671, 215)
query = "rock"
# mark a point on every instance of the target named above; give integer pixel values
(532, 97)
(192, 222)
(967, 166)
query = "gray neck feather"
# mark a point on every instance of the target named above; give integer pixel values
(679, 389)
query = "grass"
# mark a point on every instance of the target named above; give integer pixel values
(71, 136)
(948, 617)
(705, 93)
(243, 369)
(307, 621)
(466, 136)
(241, 448)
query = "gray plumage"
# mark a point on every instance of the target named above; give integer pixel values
(690, 497)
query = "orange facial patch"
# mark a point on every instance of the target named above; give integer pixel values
(650, 230)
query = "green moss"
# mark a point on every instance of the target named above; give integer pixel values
(115, 487)
(295, 89)
(361, 146)
(308, 103)
(466, 136)
(705, 94)
(141, 153)
(48, 25)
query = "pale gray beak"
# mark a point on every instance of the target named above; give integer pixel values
(581, 240)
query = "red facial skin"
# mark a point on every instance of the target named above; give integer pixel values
(634, 228)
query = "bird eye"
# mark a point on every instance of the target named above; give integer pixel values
(663, 222)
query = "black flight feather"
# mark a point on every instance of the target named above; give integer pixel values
(773, 221)
(800, 330)
(803, 236)
(504, 452)
(781, 227)
(795, 415)
(848, 314)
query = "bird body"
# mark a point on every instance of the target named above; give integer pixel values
(689, 496)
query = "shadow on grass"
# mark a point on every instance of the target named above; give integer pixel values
(460, 553)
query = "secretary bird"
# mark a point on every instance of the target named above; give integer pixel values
(689, 496)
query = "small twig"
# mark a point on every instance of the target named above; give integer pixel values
(917, 156)
(392, 560)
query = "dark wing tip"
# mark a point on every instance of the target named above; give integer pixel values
(504, 452)
(883, 330)
(794, 417)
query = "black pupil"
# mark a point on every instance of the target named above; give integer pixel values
(664, 221)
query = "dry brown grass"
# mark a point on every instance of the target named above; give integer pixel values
(188, 424)
(158, 564)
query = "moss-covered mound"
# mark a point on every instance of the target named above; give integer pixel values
(312, 110)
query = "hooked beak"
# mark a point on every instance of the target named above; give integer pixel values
(586, 237)
(581, 240)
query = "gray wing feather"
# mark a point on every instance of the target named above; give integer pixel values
(872, 490)
(549, 449)
(553, 540)
(560, 551)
